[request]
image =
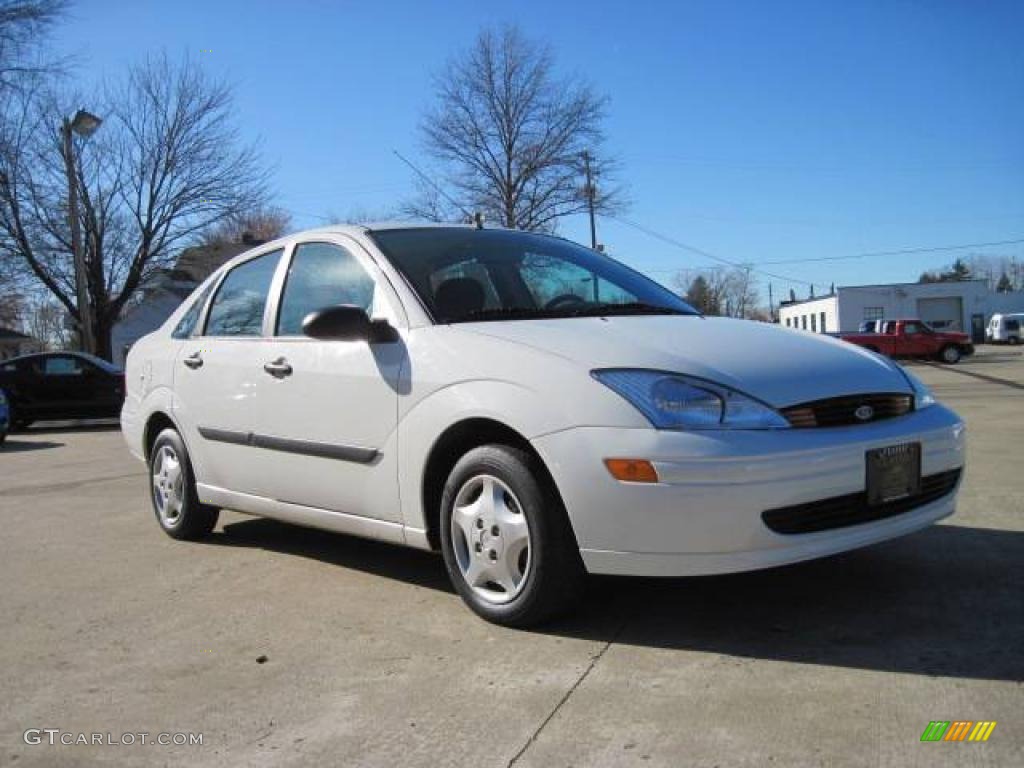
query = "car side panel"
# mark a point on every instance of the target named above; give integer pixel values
(449, 385)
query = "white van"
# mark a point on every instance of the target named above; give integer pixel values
(1005, 329)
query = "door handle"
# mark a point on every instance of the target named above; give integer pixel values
(193, 361)
(278, 368)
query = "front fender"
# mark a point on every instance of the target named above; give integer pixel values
(513, 405)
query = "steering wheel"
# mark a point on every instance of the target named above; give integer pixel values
(565, 298)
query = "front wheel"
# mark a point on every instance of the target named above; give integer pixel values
(506, 539)
(173, 490)
(1013, 341)
(950, 355)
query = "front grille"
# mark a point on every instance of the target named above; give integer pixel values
(853, 509)
(842, 411)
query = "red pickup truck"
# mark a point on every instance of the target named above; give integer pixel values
(914, 338)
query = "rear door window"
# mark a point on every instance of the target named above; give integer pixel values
(238, 307)
(187, 325)
(63, 366)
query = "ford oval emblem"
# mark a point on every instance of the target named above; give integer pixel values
(864, 413)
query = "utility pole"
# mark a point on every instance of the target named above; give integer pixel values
(83, 123)
(85, 338)
(771, 304)
(590, 193)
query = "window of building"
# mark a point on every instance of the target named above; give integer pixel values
(814, 322)
(321, 275)
(237, 309)
(803, 322)
(823, 329)
(874, 313)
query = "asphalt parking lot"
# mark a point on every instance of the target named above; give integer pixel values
(286, 646)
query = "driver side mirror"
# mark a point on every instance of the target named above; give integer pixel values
(346, 322)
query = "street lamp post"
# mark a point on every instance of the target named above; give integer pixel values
(84, 124)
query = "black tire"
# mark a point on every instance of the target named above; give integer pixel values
(192, 519)
(554, 577)
(3, 437)
(17, 421)
(950, 354)
(1013, 341)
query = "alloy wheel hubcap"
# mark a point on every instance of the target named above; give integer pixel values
(491, 539)
(168, 486)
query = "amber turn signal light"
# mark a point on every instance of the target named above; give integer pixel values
(632, 470)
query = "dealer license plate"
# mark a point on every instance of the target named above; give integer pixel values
(894, 472)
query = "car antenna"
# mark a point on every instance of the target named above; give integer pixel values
(436, 188)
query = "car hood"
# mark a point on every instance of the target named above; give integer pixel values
(779, 366)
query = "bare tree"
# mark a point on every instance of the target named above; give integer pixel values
(166, 166)
(510, 135)
(44, 321)
(729, 292)
(23, 24)
(262, 224)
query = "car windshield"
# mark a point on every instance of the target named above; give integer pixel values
(469, 275)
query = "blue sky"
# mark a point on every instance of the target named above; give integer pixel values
(756, 131)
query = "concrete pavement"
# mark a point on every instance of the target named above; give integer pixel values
(291, 647)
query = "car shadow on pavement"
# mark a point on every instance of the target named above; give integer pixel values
(51, 427)
(947, 602)
(944, 602)
(19, 446)
(413, 566)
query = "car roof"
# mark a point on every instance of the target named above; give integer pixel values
(352, 230)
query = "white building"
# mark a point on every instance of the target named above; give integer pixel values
(965, 305)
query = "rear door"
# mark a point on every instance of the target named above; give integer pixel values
(217, 373)
(329, 409)
(64, 387)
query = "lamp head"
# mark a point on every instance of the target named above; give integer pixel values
(85, 123)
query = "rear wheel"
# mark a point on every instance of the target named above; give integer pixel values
(1014, 341)
(173, 490)
(18, 421)
(506, 539)
(950, 355)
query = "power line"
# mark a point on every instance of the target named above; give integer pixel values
(903, 252)
(430, 181)
(700, 252)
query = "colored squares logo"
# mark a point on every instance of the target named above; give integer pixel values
(958, 730)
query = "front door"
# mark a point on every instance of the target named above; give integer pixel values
(978, 329)
(329, 409)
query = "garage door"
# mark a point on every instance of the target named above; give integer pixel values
(945, 313)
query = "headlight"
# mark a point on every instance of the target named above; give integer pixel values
(923, 396)
(673, 401)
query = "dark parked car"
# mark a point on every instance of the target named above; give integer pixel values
(60, 385)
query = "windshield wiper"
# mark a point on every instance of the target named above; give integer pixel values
(502, 313)
(627, 308)
(587, 310)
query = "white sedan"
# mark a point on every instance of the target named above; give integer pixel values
(531, 408)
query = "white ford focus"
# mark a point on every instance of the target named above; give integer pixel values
(531, 408)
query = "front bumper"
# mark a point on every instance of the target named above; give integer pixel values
(704, 516)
